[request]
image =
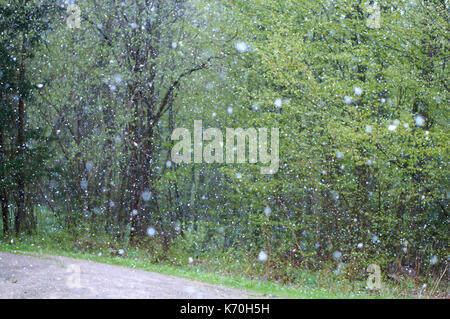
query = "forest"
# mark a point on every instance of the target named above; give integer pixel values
(120, 122)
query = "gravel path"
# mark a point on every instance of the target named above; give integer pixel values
(46, 276)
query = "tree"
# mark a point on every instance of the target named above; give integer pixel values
(23, 23)
(141, 55)
(360, 164)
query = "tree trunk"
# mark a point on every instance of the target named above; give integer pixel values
(20, 149)
(3, 194)
(20, 175)
(5, 212)
(135, 170)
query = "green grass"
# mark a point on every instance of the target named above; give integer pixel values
(233, 268)
(260, 287)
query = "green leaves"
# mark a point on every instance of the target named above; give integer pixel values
(351, 91)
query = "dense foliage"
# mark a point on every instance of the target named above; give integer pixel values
(361, 105)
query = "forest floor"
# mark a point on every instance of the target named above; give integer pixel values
(33, 275)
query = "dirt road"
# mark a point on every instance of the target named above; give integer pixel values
(45, 276)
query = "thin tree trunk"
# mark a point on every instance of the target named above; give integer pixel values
(20, 176)
(20, 149)
(135, 172)
(5, 212)
(3, 195)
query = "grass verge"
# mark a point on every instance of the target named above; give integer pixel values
(262, 288)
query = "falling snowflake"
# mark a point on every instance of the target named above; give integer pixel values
(117, 78)
(278, 102)
(241, 47)
(151, 231)
(433, 260)
(89, 166)
(84, 184)
(375, 239)
(146, 195)
(337, 255)
(392, 127)
(348, 100)
(262, 256)
(358, 91)
(420, 121)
